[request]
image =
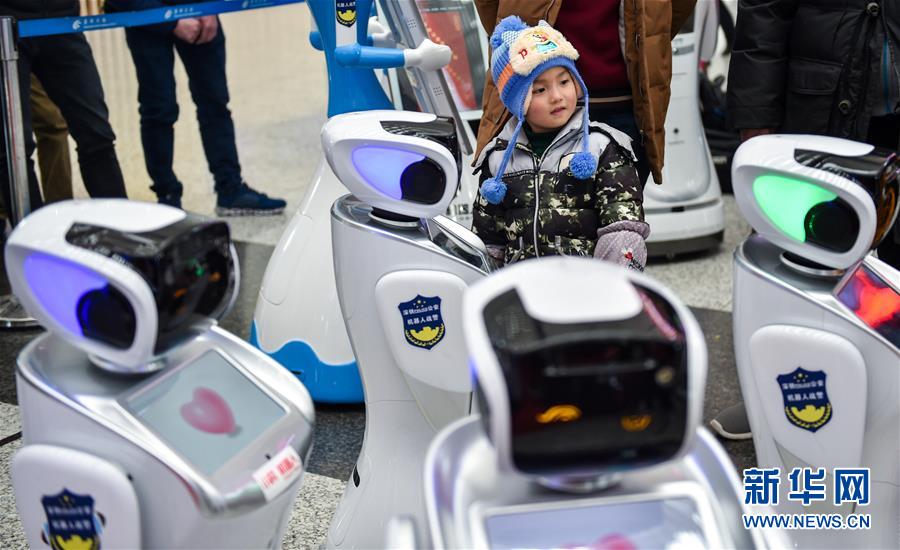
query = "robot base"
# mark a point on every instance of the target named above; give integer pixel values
(298, 319)
(467, 493)
(783, 322)
(411, 391)
(686, 229)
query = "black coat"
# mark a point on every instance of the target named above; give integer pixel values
(39, 9)
(809, 66)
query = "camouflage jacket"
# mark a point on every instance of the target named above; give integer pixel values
(545, 204)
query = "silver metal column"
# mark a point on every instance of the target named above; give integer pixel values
(12, 315)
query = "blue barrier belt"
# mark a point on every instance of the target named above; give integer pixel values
(67, 25)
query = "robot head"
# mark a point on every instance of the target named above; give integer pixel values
(398, 161)
(583, 368)
(825, 199)
(124, 281)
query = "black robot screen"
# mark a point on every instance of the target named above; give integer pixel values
(591, 395)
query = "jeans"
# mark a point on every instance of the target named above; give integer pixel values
(153, 52)
(621, 117)
(65, 66)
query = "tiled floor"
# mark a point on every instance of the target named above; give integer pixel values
(277, 83)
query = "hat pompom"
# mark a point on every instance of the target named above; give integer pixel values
(512, 23)
(493, 190)
(583, 165)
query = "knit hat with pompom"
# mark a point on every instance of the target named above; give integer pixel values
(520, 55)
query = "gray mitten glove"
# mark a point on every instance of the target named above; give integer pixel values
(623, 243)
(497, 253)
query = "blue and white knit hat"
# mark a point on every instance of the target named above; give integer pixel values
(520, 55)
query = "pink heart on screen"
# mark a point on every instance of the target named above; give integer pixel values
(613, 542)
(208, 412)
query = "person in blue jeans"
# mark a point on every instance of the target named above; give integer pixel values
(200, 43)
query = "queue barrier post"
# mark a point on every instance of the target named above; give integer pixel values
(12, 315)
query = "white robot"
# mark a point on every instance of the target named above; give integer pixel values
(401, 269)
(297, 320)
(590, 383)
(817, 322)
(686, 212)
(144, 425)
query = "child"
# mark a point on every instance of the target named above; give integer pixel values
(566, 185)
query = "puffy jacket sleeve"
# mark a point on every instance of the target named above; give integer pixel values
(619, 195)
(488, 219)
(759, 63)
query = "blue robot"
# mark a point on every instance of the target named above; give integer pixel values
(298, 319)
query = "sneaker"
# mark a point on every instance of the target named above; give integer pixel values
(247, 202)
(172, 199)
(732, 423)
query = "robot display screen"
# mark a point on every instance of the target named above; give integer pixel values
(207, 411)
(875, 302)
(584, 395)
(670, 523)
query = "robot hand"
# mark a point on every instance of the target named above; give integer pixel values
(428, 56)
(381, 37)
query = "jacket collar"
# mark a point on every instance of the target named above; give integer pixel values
(507, 132)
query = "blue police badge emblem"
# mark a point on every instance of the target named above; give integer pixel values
(423, 325)
(71, 522)
(806, 402)
(345, 12)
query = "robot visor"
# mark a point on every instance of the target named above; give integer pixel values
(593, 397)
(187, 265)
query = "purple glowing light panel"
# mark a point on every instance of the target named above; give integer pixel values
(58, 285)
(382, 167)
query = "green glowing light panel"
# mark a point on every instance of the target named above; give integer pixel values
(786, 202)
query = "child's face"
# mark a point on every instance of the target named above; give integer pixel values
(553, 97)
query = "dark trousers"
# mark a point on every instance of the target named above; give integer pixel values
(884, 131)
(153, 53)
(621, 117)
(65, 66)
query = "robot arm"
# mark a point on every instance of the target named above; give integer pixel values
(315, 37)
(379, 36)
(427, 56)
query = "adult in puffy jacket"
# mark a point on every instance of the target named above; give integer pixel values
(626, 62)
(819, 67)
(65, 66)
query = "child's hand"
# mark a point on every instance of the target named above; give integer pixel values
(623, 243)
(497, 253)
